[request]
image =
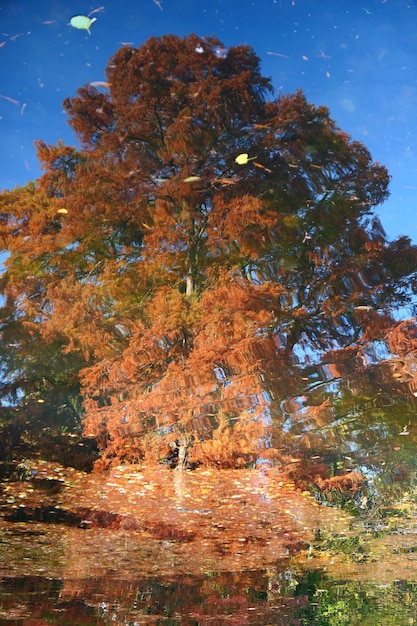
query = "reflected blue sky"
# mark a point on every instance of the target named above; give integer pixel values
(358, 58)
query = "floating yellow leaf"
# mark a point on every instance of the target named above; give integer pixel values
(243, 158)
(63, 211)
(191, 179)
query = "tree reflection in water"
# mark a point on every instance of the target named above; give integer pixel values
(224, 316)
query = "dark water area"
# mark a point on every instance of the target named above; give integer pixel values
(236, 598)
(250, 598)
(254, 597)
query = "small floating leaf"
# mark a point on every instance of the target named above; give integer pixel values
(242, 159)
(63, 211)
(99, 83)
(82, 22)
(191, 179)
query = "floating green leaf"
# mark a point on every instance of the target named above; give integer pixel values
(82, 22)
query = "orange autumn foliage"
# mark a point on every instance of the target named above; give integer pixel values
(184, 284)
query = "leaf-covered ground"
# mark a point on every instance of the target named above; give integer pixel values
(67, 523)
(60, 520)
(233, 543)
